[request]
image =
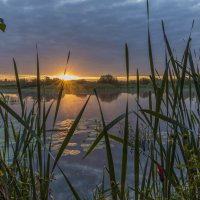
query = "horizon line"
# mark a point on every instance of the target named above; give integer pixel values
(27, 76)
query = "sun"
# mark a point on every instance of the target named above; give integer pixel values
(66, 77)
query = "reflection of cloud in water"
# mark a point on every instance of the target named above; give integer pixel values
(68, 152)
(83, 178)
(11, 98)
(82, 168)
(144, 94)
(86, 132)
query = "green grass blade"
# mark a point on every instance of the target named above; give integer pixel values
(73, 190)
(194, 76)
(113, 183)
(143, 180)
(60, 92)
(126, 132)
(138, 86)
(18, 86)
(124, 155)
(100, 136)
(148, 9)
(127, 63)
(32, 175)
(165, 118)
(38, 86)
(136, 162)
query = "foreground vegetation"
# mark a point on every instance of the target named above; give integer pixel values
(170, 169)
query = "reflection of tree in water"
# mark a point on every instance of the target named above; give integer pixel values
(144, 94)
(186, 94)
(12, 99)
(106, 94)
(81, 95)
(47, 94)
(109, 96)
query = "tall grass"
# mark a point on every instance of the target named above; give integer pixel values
(27, 167)
(169, 169)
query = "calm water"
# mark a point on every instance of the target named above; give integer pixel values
(86, 173)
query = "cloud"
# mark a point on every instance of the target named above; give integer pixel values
(95, 32)
(4, 1)
(127, 2)
(63, 2)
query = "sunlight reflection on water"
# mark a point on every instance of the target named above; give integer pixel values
(88, 130)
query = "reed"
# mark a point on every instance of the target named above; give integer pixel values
(27, 163)
(169, 169)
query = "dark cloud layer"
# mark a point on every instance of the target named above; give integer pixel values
(94, 30)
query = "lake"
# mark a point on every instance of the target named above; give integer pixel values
(86, 173)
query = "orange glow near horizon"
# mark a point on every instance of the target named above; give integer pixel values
(66, 77)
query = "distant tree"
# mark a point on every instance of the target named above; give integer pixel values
(81, 81)
(108, 79)
(188, 81)
(145, 81)
(23, 82)
(47, 80)
(33, 82)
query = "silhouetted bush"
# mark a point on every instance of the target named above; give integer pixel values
(145, 81)
(109, 79)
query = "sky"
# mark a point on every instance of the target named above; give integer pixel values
(95, 32)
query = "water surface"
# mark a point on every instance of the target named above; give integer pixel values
(86, 173)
